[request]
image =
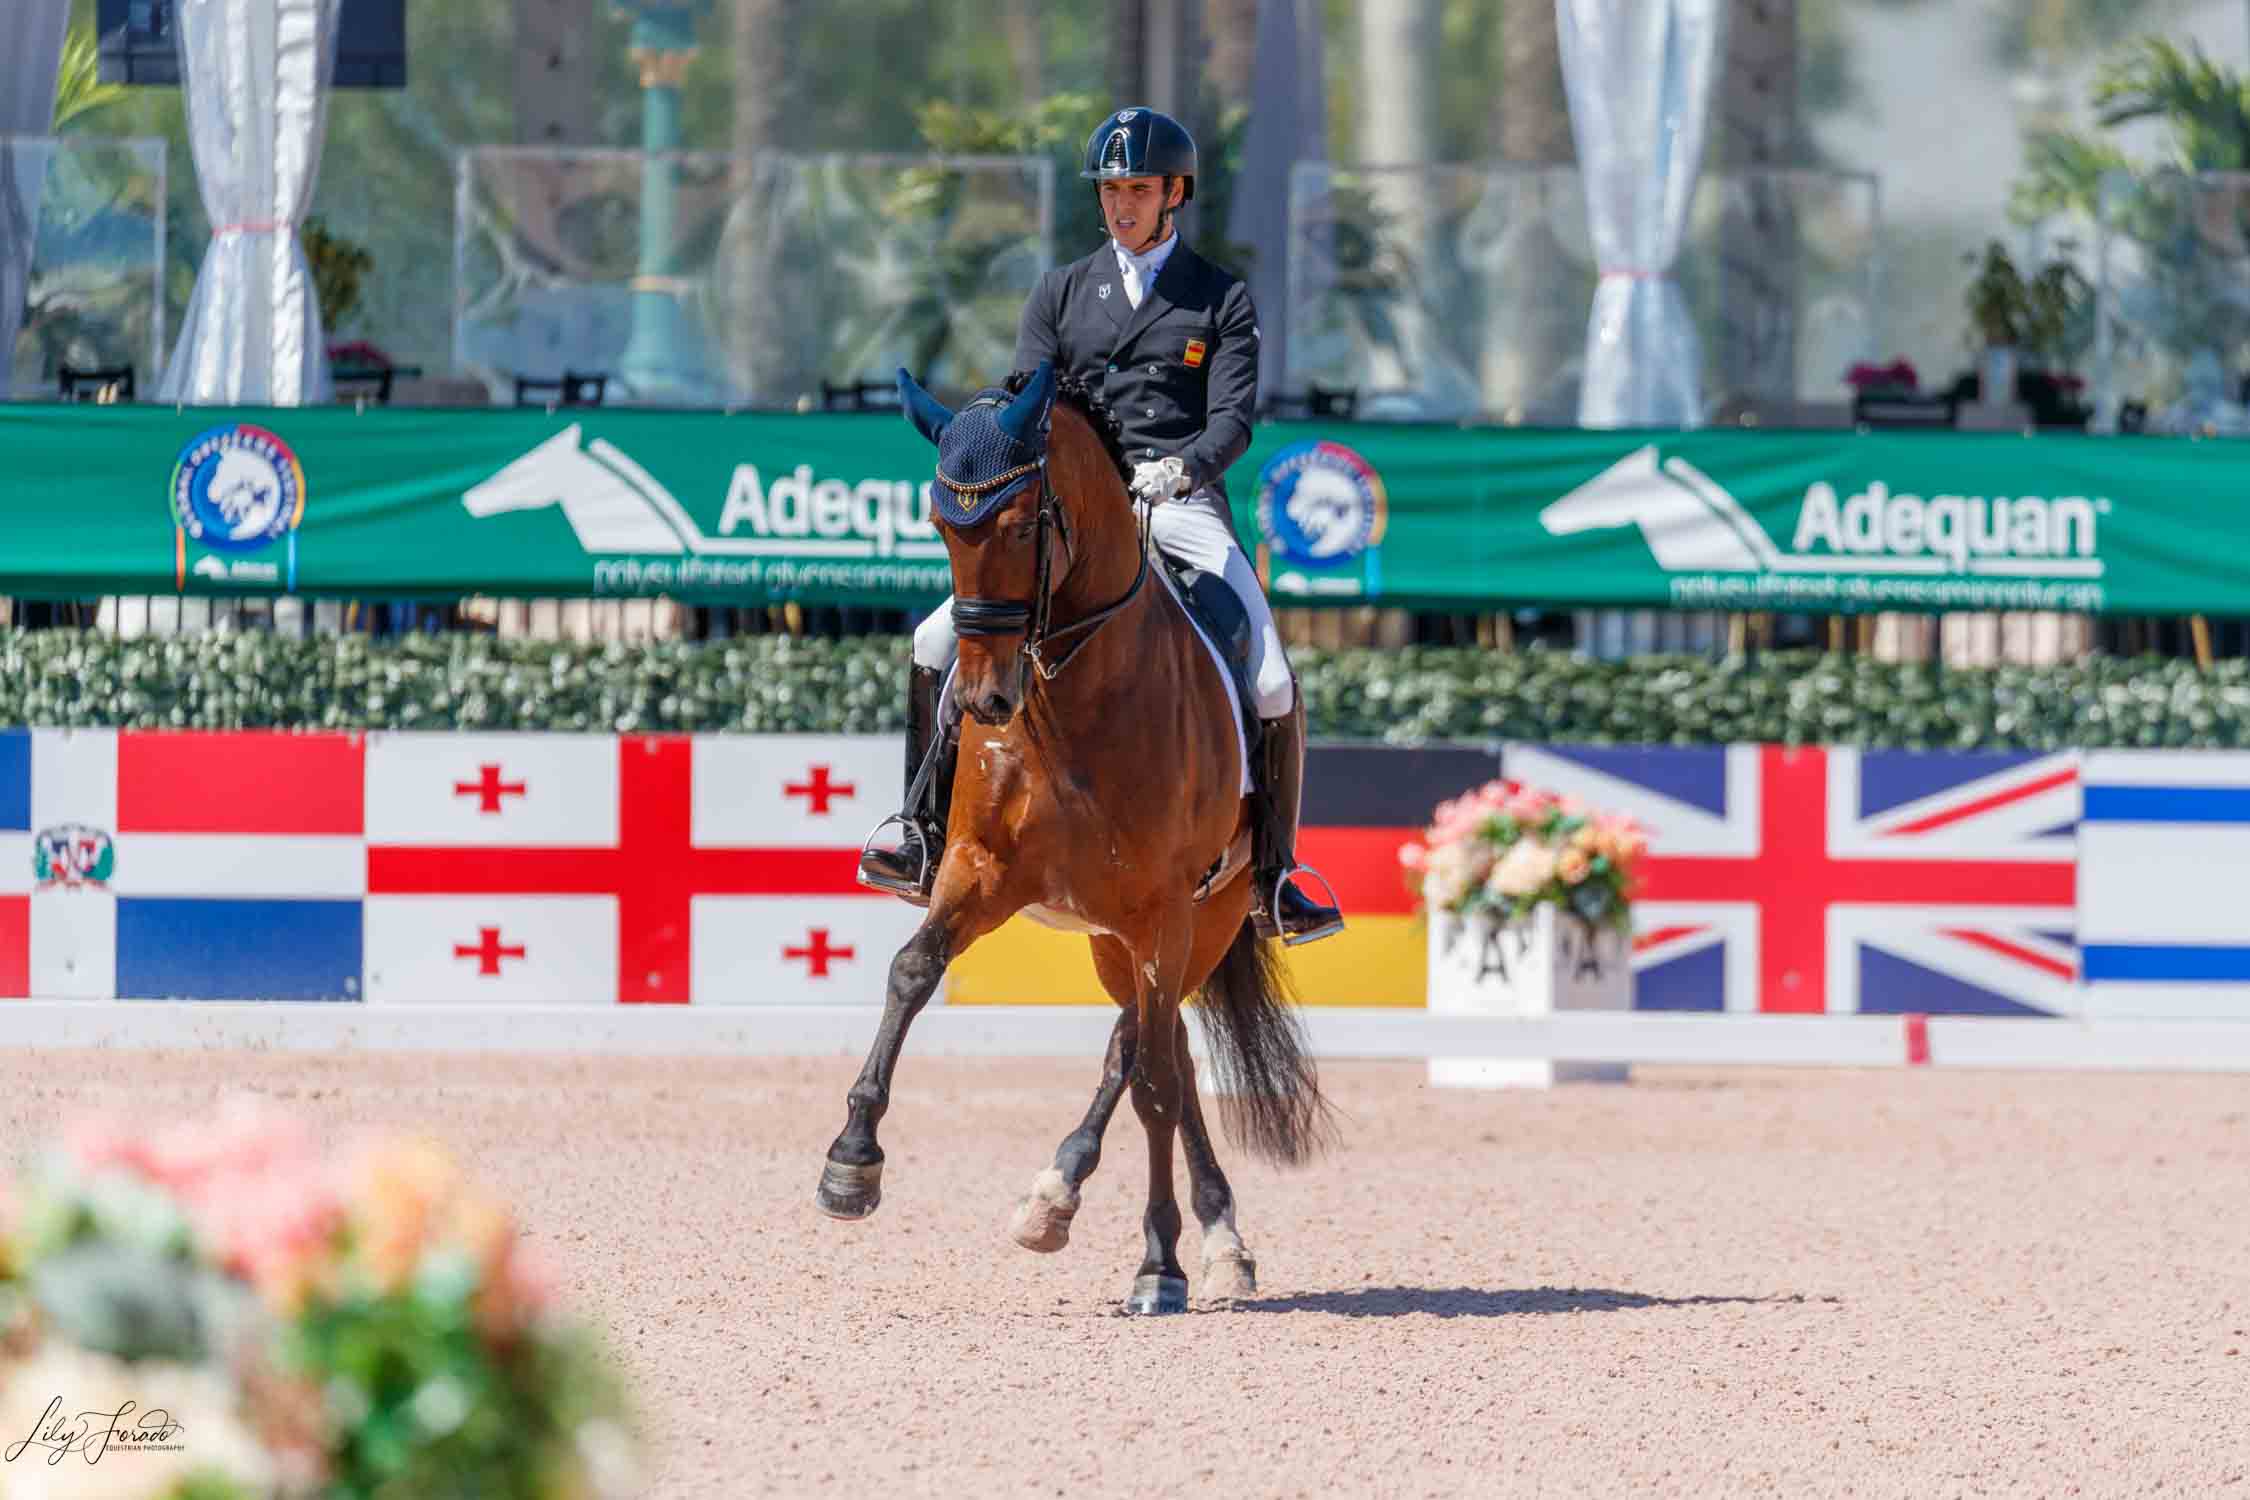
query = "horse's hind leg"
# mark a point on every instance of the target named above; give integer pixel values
(1229, 1270)
(1042, 1218)
(1161, 1286)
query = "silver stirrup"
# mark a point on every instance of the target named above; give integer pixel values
(920, 841)
(1273, 905)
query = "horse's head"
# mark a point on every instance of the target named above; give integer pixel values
(990, 504)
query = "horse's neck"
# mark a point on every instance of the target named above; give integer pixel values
(1105, 542)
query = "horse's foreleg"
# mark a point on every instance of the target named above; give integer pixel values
(851, 1183)
(1161, 1286)
(1042, 1219)
(1229, 1270)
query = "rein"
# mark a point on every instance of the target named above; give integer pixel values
(1034, 619)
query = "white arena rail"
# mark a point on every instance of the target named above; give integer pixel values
(1081, 1031)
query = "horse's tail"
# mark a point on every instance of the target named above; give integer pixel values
(1268, 1090)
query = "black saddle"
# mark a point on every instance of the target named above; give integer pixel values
(1219, 612)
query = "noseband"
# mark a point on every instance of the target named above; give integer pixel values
(1034, 619)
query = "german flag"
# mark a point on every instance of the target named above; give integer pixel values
(1361, 803)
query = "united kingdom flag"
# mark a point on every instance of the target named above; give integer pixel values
(1809, 880)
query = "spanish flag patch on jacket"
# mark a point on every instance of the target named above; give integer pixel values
(1195, 348)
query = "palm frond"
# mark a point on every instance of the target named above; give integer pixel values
(78, 86)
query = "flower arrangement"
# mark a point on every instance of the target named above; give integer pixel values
(1502, 849)
(217, 1311)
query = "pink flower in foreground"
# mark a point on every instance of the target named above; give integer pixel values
(1414, 857)
(1573, 866)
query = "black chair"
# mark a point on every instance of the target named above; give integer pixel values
(88, 385)
(575, 388)
(1318, 401)
(859, 395)
(378, 382)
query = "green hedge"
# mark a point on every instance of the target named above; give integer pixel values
(775, 684)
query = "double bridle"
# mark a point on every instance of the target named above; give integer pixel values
(1034, 619)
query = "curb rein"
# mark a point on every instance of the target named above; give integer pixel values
(1035, 620)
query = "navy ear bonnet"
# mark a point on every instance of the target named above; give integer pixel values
(986, 452)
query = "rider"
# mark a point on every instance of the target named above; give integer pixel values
(1171, 343)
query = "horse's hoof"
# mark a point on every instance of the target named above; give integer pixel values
(848, 1192)
(1042, 1217)
(1158, 1294)
(1229, 1274)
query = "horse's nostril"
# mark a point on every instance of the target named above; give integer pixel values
(995, 706)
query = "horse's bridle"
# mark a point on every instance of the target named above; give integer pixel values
(1034, 620)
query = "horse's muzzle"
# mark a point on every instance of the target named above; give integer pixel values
(991, 709)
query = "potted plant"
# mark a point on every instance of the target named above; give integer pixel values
(2000, 315)
(1529, 900)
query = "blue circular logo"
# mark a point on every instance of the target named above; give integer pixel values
(237, 488)
(1320, 505)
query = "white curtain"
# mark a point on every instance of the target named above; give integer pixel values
(256, 77)
(1639, 74)
(30, 56)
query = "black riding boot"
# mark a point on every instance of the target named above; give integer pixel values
(910, 870)
(1281, 910)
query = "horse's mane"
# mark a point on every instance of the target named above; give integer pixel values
(1074, 390)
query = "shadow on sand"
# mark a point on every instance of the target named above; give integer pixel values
(1475, 1302)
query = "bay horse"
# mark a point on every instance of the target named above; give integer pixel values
(1099, 789)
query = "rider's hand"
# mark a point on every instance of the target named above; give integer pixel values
(1159, 479)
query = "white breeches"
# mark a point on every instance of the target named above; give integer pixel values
(1200, 539)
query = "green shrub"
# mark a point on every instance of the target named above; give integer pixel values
(774, 684)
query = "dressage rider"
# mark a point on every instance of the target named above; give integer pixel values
(1170, 341)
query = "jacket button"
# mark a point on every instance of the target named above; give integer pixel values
(1156, 369)
(1148, 411)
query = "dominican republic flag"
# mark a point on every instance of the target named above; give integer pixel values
(1839, 880)
(200, 865)
(592, 869)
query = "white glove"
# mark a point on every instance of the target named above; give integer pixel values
(1160, 479)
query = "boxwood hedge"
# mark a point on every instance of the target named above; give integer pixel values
(776, 684)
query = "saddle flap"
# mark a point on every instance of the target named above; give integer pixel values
(1220, 615)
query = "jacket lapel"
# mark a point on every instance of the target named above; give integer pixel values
(1176, 277)
(1108, 286)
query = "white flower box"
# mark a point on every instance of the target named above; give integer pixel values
(1533, 966)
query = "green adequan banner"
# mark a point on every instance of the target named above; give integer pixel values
(835, 509)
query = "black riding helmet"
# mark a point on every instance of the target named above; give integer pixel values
(1141, 143)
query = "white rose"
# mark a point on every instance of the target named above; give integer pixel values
(1526, 867)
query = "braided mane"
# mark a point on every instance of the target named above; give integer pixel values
(1073, 389)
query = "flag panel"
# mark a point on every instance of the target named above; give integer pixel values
(15, 780)
(1832, 880)
(195, 949)
(15, 947)
(244, 781)
(493, 790)
(484, 950)
(794, 791)
(73, 943)
(796, 950)
(273, 866)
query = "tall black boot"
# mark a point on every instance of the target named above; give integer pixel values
(1281, 910)
(910, 870)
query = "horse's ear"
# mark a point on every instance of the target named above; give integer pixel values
(1023, 416)
(924, 410)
